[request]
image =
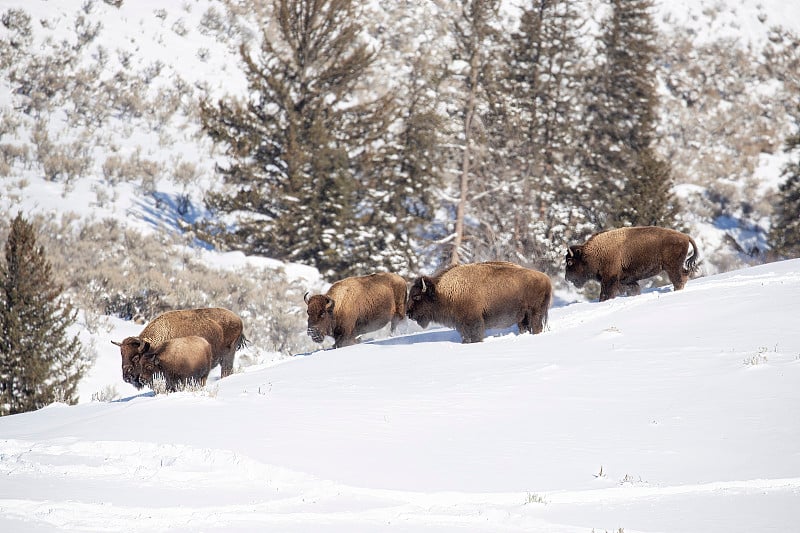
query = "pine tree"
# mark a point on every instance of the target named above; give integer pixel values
(621, 116)
(39, 362)
(647, 199)
(784, 235)
(533, 137)
(312, 157)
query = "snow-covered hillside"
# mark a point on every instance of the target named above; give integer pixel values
(662, 412)
(669, 411)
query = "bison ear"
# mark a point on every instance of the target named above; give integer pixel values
(575, 251)
(144, 346)
(330, 304)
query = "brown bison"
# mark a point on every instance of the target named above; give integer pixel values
(354, 306)
(181, 361)
(619, 258)
(475, 297)
(220, 327)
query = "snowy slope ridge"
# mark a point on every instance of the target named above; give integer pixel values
(669, 411)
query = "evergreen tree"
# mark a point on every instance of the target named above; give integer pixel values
(621, 116)
(784, 235)
(533, 136)
(312, 157)
(647, 196)
(39, 362)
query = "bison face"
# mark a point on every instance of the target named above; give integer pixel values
(320, 317)
(131, 350)
(421, 301)
(149, 366)
(577, 271)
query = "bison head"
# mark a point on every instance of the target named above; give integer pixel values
(149, 366)
(577, 271)
(320, 316)
(131, 350)
(421, 301)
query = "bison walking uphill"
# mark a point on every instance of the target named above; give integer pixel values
(619, 258)
(223, 330)
(357, 305)
(475, 297)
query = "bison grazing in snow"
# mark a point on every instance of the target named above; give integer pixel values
(474, 297)
(619, 258)
(220, 327)
(354, 306)
(181, 361)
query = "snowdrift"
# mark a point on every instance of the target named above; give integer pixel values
(669, 411)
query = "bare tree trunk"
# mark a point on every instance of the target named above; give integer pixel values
(469, 112)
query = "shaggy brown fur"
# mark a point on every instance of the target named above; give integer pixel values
(220, 327)
(619, 258)
(475, 297)
(181, 360)
(354, 306)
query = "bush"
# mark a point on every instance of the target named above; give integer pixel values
(107, 269)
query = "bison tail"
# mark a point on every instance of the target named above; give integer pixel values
(242, 342)
(692, 263)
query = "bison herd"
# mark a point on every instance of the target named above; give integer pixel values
(183, 346)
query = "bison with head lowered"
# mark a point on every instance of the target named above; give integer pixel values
(619, 258)
(475, 297)
(222, 329)
(357, 305)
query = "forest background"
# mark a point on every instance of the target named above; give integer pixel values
(360, 136)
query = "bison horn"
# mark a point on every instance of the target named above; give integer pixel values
(116, 343)
(305, 297)
(570, 253)
(423, 284)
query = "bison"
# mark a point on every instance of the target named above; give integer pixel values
(220, 327)
(475, 297)
(354, 306)
(619, 258)
(180, 360)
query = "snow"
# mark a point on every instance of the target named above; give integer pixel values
(747, 21)
(662, 412)
(668, 411)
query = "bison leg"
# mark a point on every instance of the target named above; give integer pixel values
(226, 365)
(524, 325)
(537, 321)
(341, 342)
(396, 319)
(609, 288)
(472, 332)
(532, 322)
(678, 277)
(632, 289)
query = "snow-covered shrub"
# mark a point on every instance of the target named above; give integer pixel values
(110, 270)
